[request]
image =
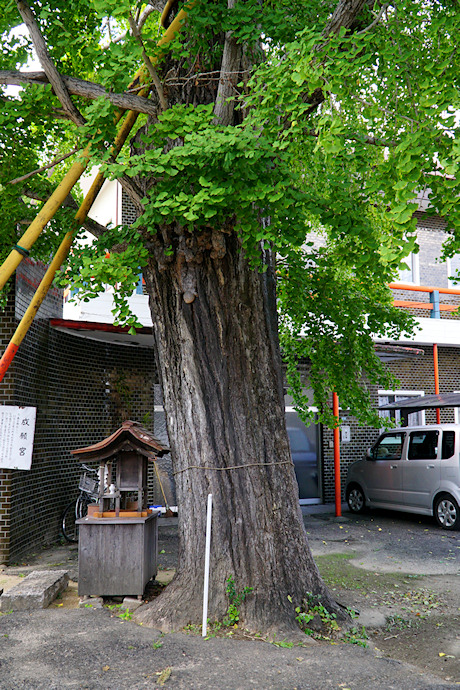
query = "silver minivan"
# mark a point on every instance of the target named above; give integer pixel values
(414, 469)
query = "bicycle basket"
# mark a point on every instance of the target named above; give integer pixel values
(87, 484)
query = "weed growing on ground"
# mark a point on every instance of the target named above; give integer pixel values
(235, 598)
(158, 643)
(311, 609)
(356, 635)
(126, 615)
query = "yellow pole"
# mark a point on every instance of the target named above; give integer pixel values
(80, 216)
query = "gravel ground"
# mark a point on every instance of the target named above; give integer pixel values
(385, 564)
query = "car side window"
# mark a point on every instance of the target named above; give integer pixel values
(448, 444)
(423, 445)
(388, 447)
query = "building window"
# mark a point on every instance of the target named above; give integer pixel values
(453, 271)
(413, 419)
(410, 274)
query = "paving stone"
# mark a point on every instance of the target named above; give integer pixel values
(36, 591)
(91, 603)
(131, 603)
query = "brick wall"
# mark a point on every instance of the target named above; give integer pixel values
(83, 389)
(7, 398)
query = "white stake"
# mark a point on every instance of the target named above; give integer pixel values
(206, 566)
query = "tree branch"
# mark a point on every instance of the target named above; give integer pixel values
(140, 23)
(231, 62)
(53, 163)
(151, 69)
(133, 191)
(376, 20)
(79, 87)
(50, 69)
(345, 14)
(89, 224)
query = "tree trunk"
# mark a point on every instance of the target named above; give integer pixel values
(217, 345)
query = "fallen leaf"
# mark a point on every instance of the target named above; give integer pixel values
(106, 668)
(299, 658)
(164, 675)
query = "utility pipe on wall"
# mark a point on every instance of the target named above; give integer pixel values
(338, 488)
(436, 380)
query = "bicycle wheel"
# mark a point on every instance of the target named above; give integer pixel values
(69, 528)
(81, 508)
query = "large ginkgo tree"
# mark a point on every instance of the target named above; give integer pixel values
(269, 124)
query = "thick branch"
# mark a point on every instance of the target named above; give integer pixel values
(231, 61)
(345, 14)
(51, 72)
(79, 87)
(133, 192)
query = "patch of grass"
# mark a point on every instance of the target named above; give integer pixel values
(399, 623)
(337, 572)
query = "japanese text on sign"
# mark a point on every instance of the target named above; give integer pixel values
(17, 426)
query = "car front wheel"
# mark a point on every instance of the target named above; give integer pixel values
(446, 512)
(355, 499)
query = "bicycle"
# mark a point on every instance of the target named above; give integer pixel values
(89, 493)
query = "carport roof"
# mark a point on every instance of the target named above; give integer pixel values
(424, 402)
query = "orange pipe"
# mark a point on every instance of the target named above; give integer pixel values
(424, 305)
(337, 485)
(436, 380)
(424, 288)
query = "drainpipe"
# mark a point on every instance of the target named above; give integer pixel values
(338, 490)
(436, 380)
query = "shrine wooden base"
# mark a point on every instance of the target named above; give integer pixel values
(116, 556)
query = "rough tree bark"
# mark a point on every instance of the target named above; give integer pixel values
(215, 336)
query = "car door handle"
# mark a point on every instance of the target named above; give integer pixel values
(393, 467)
(430, 467)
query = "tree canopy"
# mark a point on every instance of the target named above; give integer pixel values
(339, 127)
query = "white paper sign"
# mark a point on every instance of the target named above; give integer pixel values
(17, 428)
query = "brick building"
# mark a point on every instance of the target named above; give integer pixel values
(82, 388)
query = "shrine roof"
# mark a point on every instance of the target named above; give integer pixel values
(130, 436)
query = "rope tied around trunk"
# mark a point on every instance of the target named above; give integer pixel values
(234, 467)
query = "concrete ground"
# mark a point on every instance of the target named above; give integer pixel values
(68, 647)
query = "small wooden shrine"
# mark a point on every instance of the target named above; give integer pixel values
(118, 544)
(129, 450)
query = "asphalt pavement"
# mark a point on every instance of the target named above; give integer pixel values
(59, 648)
